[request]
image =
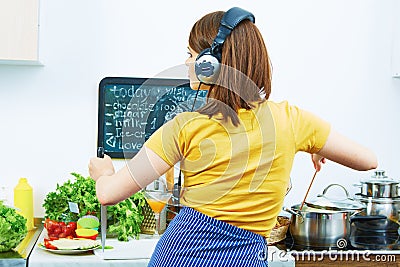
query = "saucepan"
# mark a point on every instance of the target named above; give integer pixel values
(325, 222)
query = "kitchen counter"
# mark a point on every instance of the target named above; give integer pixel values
(343, 257)
(19, 256)
(28, 253)
(349, 258)
(41, 258)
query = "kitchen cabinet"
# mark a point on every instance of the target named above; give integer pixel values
(19, 28)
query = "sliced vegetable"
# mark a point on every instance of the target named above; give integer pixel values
(86, 233)
(48, 244)
(89, 221)
(57, 229)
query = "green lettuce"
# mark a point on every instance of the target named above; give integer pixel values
(12, 228)
(124, 218)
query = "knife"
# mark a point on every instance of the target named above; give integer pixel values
(103, 210)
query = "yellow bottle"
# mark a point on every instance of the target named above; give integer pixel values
(23, 200)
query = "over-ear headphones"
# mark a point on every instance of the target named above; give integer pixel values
(208, 63)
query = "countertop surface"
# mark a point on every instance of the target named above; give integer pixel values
(133, 253)
(137, 253)
(40, 257)
(20, 254)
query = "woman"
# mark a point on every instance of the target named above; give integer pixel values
(236, 152)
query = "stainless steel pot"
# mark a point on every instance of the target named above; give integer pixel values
(324, 228)
(380, 196)
(323, 222)
(379, 206)
(379, 186)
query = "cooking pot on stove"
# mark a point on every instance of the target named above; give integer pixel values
(380, 196)
(324, 222)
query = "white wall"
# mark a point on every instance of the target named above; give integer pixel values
(330, 57)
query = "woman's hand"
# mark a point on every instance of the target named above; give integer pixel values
(317, 161)
(101, 167)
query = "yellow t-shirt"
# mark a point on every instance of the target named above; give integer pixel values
(239, 174)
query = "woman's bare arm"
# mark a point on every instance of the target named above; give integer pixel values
(344, 151)
(141, 170)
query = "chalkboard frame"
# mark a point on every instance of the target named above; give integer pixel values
(127, 81)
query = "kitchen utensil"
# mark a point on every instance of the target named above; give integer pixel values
(379, 186)
(324, 225)
(388, 207)
(103, 210)
(326, 203)
(157, 197)
(379, 194)
(308, 190)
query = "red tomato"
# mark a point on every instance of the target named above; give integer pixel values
(48, 245)
(73, 225)
(57, 231)
(62, 235)
(50, 225)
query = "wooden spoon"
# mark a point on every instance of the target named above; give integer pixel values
(308, 190)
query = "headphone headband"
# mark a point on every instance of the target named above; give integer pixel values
(229, 21)
(207, 65)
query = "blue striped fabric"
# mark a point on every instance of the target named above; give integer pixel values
(195, 239)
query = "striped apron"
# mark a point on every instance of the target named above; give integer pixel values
(195, 239)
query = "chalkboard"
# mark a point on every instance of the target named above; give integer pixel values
(131, 109)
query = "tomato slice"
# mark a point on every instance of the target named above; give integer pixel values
(48, 245)
(53, 237)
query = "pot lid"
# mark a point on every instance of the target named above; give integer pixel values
(379, 177)
(344, 204)
(322, 202)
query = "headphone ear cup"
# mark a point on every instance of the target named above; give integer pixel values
(207, 67)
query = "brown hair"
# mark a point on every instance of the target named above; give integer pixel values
(245, 66)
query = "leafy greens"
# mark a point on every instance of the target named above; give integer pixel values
(124, 218)
(12, 228)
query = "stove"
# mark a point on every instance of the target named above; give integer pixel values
(358, 240)
(374, 240)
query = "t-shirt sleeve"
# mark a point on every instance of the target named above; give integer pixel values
(165, 142)
(310, 131)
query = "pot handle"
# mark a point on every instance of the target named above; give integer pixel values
(291, 211)
(329, 186)
(295, 213)
(367, 218)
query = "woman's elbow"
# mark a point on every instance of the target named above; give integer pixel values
(103, 194)
(373, 164)
(370, 162)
